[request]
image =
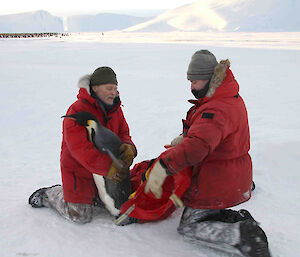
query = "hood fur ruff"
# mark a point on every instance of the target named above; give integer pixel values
(218, 77)
(84, 82)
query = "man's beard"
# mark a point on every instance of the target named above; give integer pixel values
(202, 92)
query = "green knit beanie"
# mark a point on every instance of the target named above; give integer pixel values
(103, 75)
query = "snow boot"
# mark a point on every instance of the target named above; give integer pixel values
(253, 186)
(253, 241)
(36, 199)
(229, 216)
(245, 215)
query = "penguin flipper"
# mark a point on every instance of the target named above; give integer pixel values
(114, 158)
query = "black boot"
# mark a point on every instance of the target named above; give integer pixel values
(36, 199)
(253, 186)
(244, 215)
(230, 216)
(254, 241)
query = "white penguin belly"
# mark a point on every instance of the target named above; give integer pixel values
(104, 196)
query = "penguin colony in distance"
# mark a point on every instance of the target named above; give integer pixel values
(112, 194)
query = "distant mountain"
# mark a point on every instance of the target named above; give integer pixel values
(227, 15)
(102, 22)
(202, 15)
(39, 21)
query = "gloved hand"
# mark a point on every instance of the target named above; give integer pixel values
(128, 153)
(116, 174)
(175, 141)
(156, 179)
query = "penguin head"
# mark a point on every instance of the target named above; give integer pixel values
(83, 118)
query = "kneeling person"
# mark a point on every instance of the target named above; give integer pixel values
(215, 143)
(74, 200)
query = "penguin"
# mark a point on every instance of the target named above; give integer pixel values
(112, 194)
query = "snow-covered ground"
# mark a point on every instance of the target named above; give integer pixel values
(270, 40)
(38, 81)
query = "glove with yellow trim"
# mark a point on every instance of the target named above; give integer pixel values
(115, 173)
(156, 179)
(128, 153)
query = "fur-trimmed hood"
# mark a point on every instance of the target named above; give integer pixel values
(216, 80)
(84, 82)
(218, 77)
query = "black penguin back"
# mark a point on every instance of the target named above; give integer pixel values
(106, 139)
(119, 191)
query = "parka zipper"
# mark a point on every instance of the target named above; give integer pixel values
(75, 180)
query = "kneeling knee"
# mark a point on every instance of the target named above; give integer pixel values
(80, 213)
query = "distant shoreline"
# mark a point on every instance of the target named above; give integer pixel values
(32, 35)
(265, 40)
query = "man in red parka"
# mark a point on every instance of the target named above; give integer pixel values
(74, 200)
(215, 144)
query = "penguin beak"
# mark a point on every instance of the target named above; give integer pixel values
(68, 116)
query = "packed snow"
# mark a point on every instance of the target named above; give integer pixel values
(269, 40)
(38, 81)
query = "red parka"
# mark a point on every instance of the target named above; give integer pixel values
(79, 158)
(215, 145)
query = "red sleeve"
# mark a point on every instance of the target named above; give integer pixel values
(83, 150)
(202, 138)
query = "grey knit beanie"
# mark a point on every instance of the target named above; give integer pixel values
(202, 66)
(103, 75)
